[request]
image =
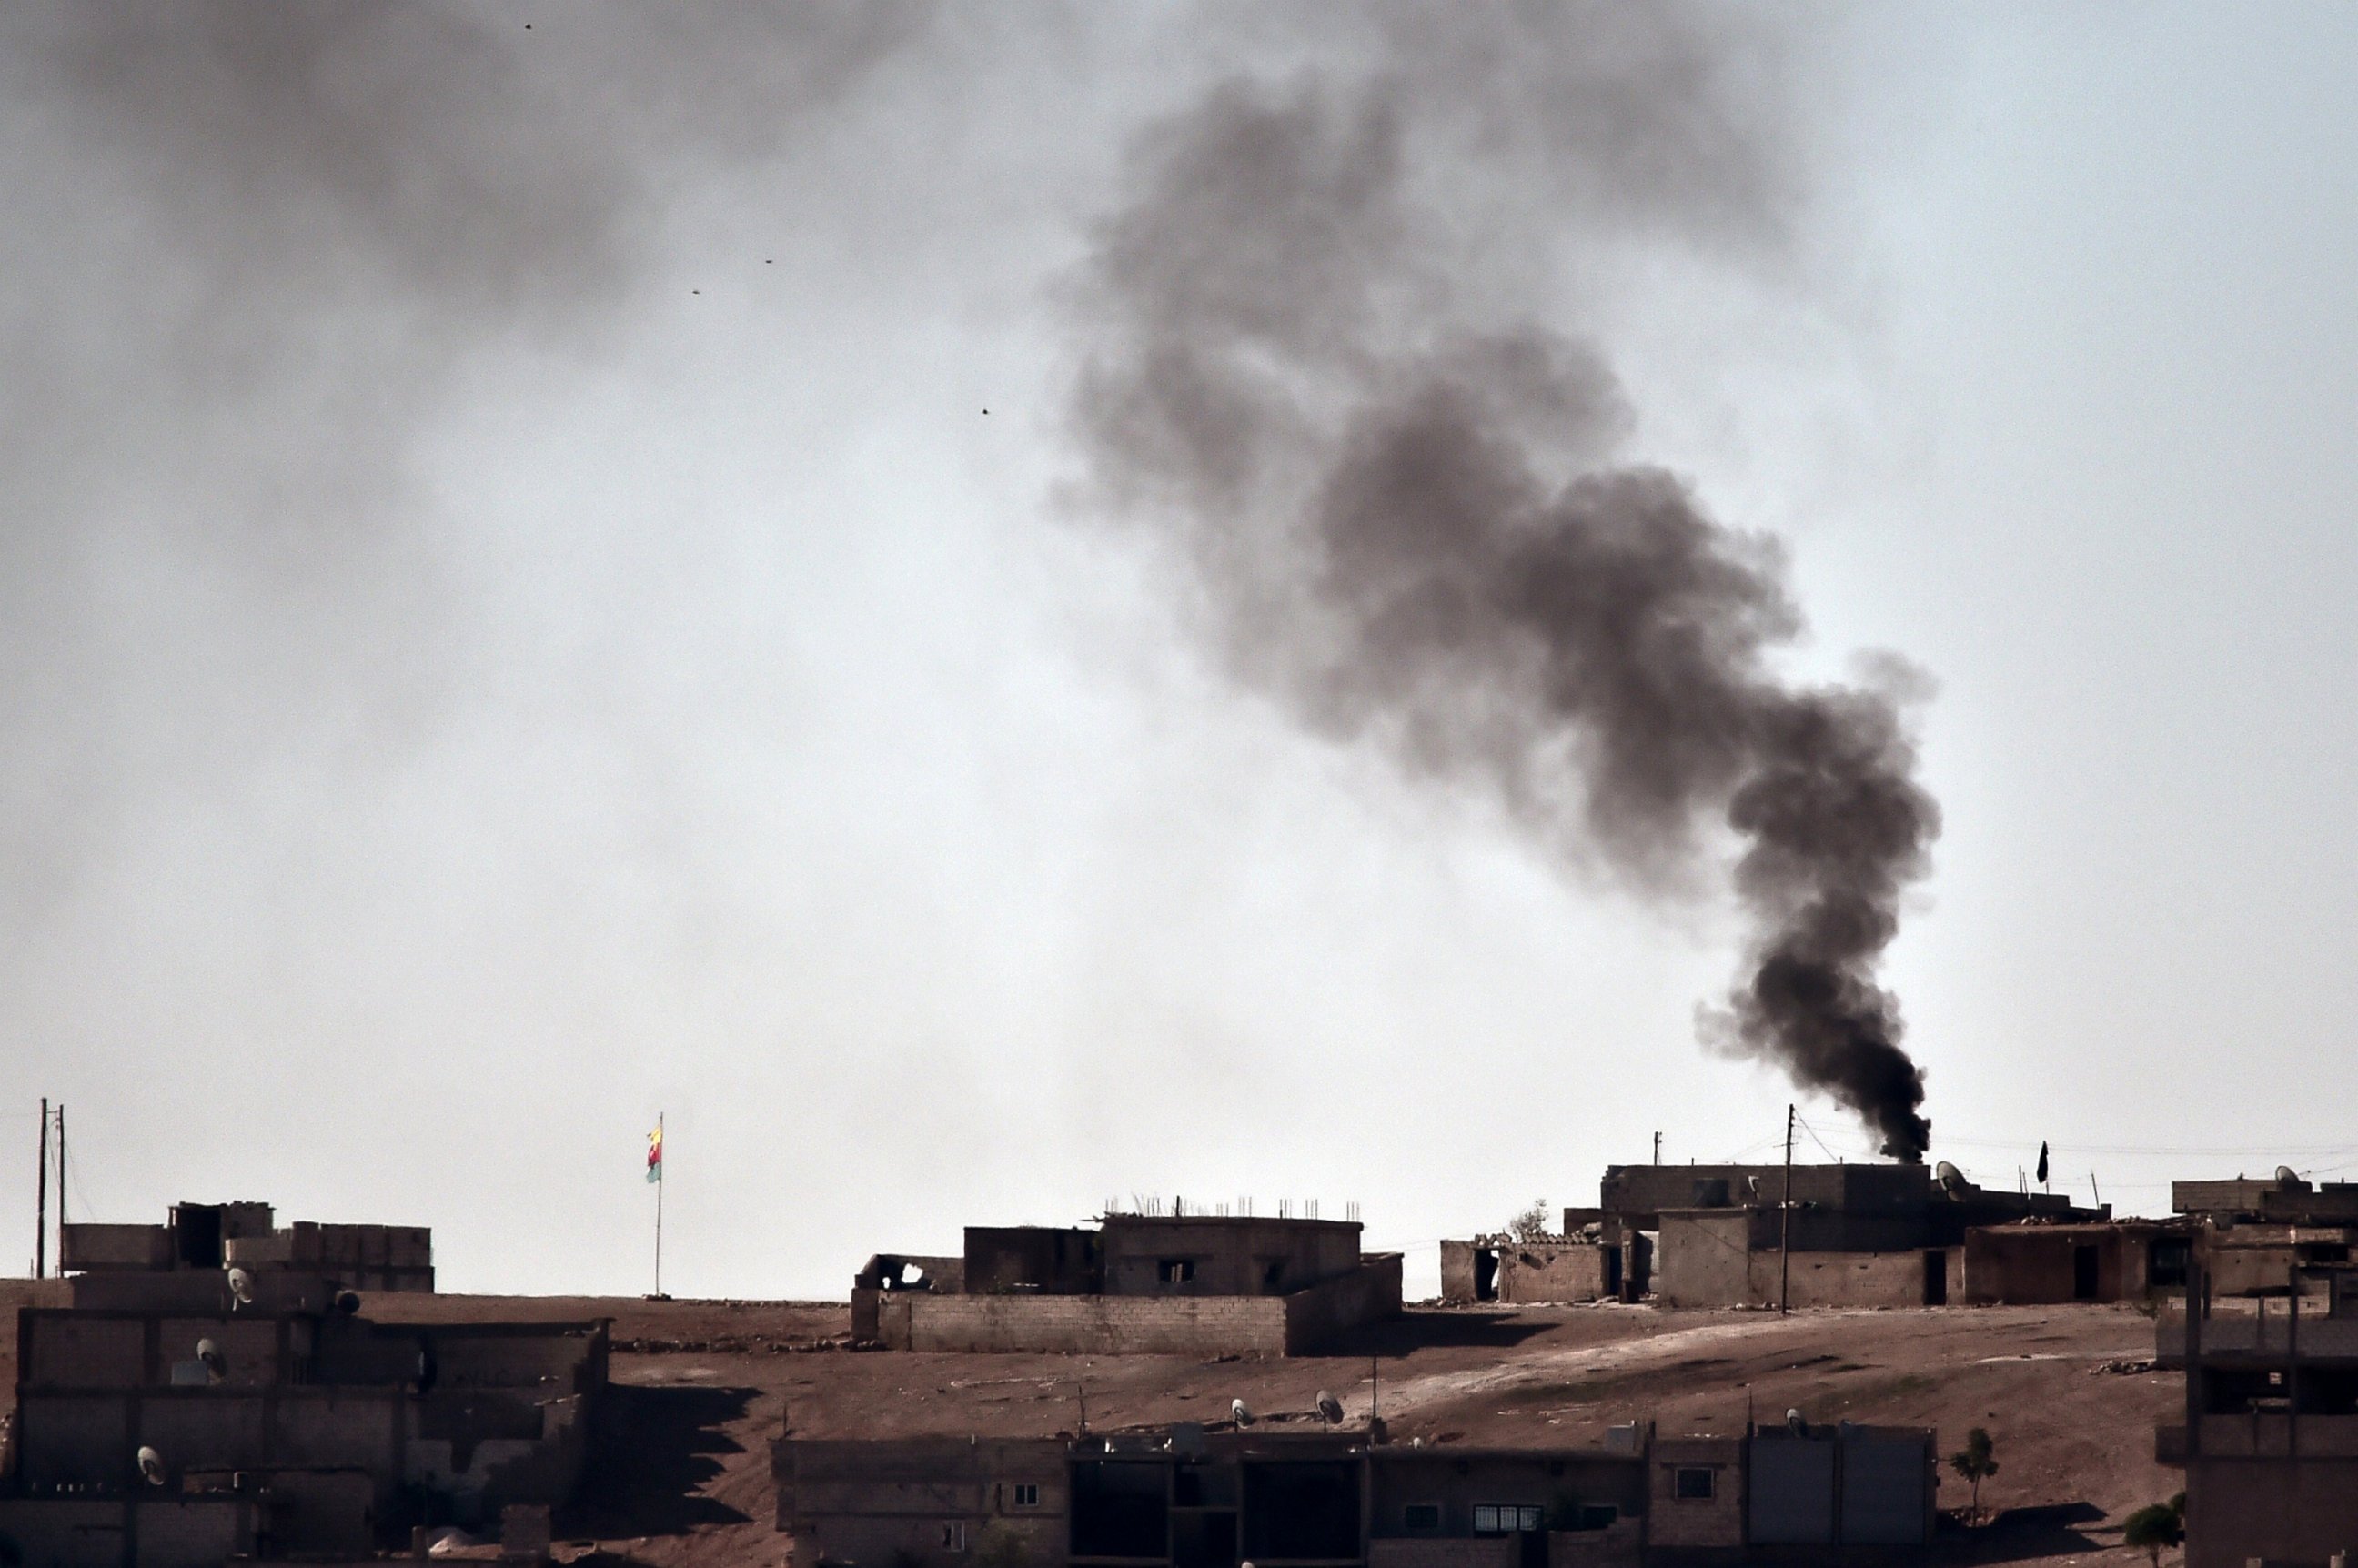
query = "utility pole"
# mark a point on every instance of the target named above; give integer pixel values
(1658, 1148)
(61, 1187)
(1785, 1230)
(41, 1202)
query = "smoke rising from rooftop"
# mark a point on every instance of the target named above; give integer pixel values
(1311, 356)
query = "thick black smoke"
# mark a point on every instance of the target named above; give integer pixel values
(1394, 491)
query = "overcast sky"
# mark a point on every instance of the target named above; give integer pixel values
(514, 618)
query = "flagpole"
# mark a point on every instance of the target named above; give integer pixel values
(659, 1187)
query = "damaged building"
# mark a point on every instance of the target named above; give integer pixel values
(1867, 1235)
(2250, 1234)
(1187, 1497)
(231, 1235)
(1133, 1283)
(2269, 1436)
(180, 1414)
(1596, 1257)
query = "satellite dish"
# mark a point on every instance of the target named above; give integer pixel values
(151, 1466)
(1330, 1409)
(241, 1287)
(1952, 1181)
(1237, 1412)
(2287, 1179)
(1795, 1424)
(348, 1302)
(216, 1364)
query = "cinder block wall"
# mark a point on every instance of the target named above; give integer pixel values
(1550, 1272)
(1142, 1326)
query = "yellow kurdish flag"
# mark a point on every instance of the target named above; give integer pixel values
(655, 1155)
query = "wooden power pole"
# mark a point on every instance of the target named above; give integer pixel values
(41, 1202)
(1785, 1229)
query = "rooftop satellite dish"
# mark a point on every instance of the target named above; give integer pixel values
(1330, 1409)
(151, 1466)
(241, 1287)
(1952, 1181)
(1795, 1424)
(348, 1302)
(2287, 1179)
(1237, 1412)
(216, 1364)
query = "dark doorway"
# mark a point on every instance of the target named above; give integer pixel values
(1936, 1277)
(1531, 1549)
(1301, 1511)
(2083, 1273)
(1205, 1540)
(199, 1233)
(1120, 1510)
(1613, 1271)
(1486, 1274)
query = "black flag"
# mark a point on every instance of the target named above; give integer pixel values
(2042, 1164)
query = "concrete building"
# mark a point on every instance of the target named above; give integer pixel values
(1188, 1498)
(1601, 1259)
(2269, 1438)
(210, 1237)
(177, 1416)
(1882, 1236)
(1174, 1284)
(2251, 1234)
(2032, 1263)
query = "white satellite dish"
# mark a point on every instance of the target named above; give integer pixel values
(241, 1287)
(1237, 1412)
(1795, 1424)
(1952, 1181)
(216, 1364)
(1330, 1409)
(2287, 1179)
(151, 1466)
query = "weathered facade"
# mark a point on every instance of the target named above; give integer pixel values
(1857, 1235)
(210, 1237)
(2269, 1438)
(178, 1416)
(1601, 1266)
(2252, 1233)
(1194, 1284)
(2032, 1264)
(1192, 1499)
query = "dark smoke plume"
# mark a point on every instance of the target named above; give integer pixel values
(1395, 494)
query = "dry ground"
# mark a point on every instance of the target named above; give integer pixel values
(709, 1384)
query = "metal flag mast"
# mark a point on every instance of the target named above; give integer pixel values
(655, 1170)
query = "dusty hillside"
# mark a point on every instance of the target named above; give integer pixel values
(709, 1384)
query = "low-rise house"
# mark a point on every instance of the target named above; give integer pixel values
(2033, 1263)
(178, 1416)
(2252, 1233)
(1134, 1283)
(1597, 1261)
(1880, 1236)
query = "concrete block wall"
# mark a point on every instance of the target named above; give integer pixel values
(1698, 1522)
(1142, 1326)
(1445, 1552)
(1100, 1326)
(1316, 1316)
(1545, 1271)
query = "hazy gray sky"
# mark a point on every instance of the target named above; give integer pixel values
(513, 618)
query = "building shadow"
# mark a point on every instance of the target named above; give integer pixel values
(654, 1450)
(1434, 1330)
(2050, 1529)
